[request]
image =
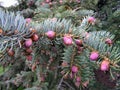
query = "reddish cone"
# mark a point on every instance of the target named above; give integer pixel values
(78, 42)
(29, 58)
(28, 50)
(35, 37)
(11, 52)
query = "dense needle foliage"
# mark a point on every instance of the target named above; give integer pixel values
(60, 45)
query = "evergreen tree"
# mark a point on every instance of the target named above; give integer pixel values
(60, 45)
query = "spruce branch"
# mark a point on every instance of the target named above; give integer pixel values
(13, 28)
(62, 27)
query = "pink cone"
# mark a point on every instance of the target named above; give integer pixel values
(51, 34)
(74, 69)
(28, 20)
(91, 20)
(28, 43)
(78, 79)
(108, 41)
(67, 40)
(94, 56)
(105, 65)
